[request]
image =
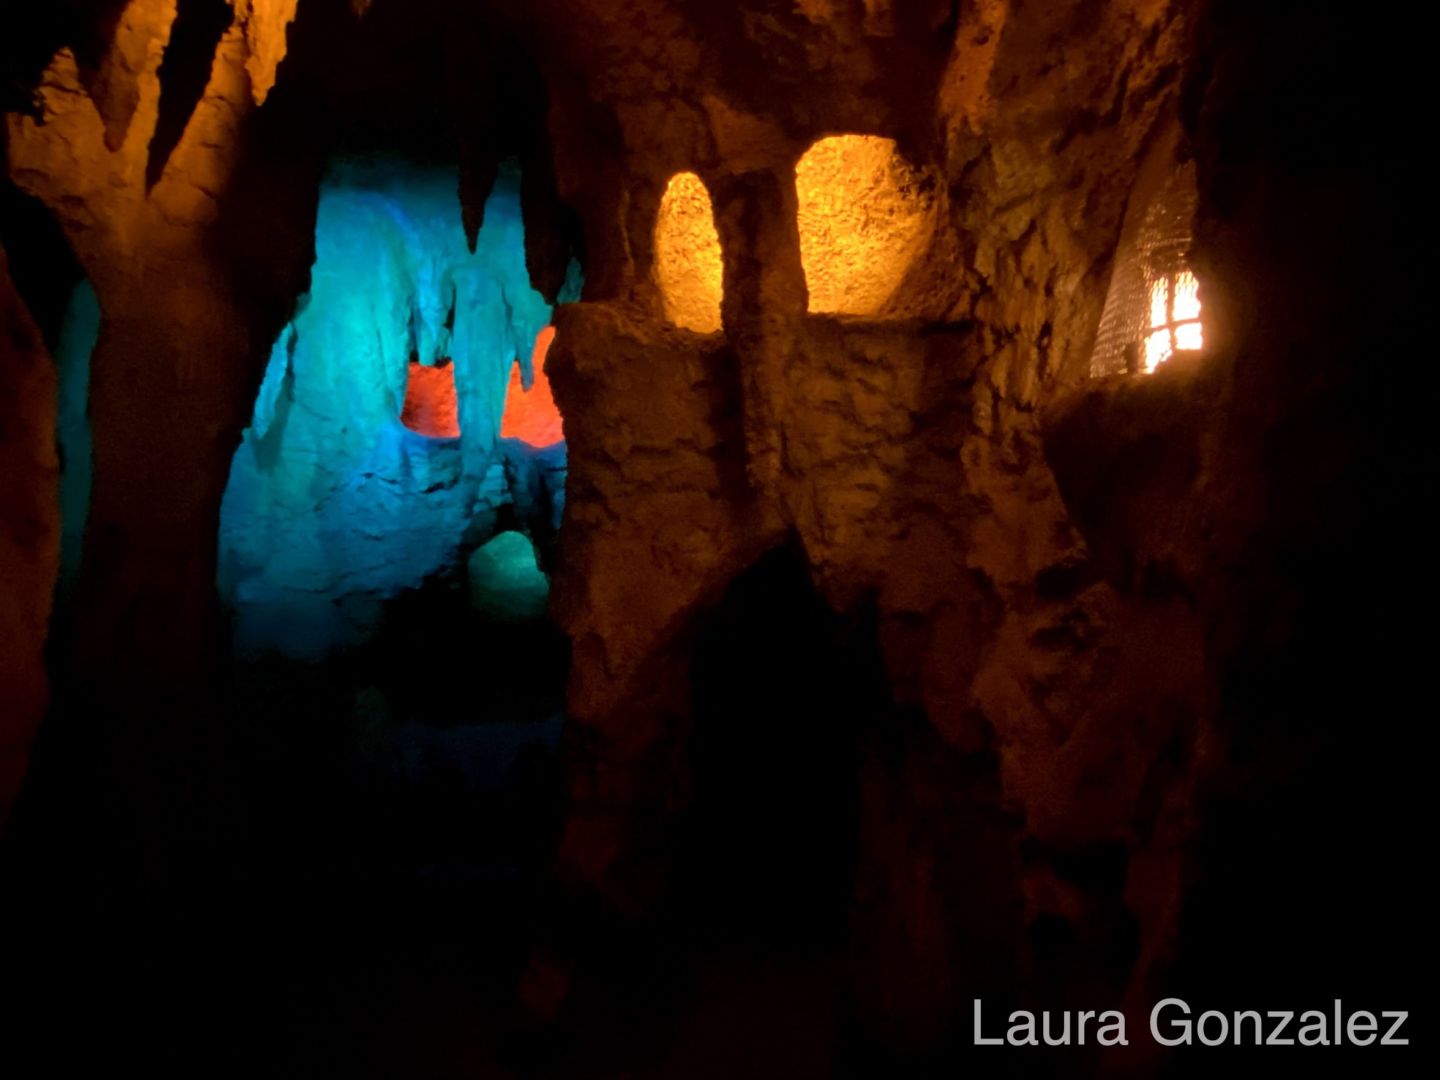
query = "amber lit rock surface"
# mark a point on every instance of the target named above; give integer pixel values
(178, 359)
(687, 255)
(1131, 649)
(904, 456)
(863, 215)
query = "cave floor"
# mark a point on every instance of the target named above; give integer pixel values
(355, 887)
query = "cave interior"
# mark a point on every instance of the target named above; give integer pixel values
(675, 539)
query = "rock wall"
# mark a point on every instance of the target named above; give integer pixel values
(904, 454)
(1087, 596)
(1134, 634)
(175, 362)
(29, 531)
(1312, 478)
(192, 218)
(333, 505)
(192, 213)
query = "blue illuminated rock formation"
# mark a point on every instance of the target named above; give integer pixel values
(333, 505)
(505, 581)
(78, 335)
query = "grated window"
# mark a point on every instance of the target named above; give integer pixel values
(1153, 307)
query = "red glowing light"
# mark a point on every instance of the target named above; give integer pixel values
(430, 404)
(531, 415)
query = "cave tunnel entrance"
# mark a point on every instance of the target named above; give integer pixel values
(782, 690)
(396, 680)
(375, 775)
(405, 417)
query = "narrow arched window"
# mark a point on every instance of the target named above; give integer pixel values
(864, 215)
(688, 264)
(1174, 317)
(1152, 310)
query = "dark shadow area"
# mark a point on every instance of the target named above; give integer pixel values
(184, 73)
(30, 35)
(357, 885)
(746, 975)
(42, 264)
(780, 698)
(1073, 714)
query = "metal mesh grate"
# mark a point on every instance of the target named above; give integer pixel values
(1154, 246)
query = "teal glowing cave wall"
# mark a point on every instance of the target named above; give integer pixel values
(78, 336)
(333, 505)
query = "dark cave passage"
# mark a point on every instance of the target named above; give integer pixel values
(404, 419)
(780, 700)
(396, 682)
(368, 795)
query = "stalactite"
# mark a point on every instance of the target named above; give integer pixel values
(396, 291)
(266, 23)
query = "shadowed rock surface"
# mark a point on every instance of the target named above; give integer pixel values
(897, 652)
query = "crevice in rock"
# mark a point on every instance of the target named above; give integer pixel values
(184, 73)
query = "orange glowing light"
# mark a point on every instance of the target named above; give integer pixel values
(688, 264)
(864, 214)
(531, 415)
(431, 407)
(1187, 297)
(1174, 318)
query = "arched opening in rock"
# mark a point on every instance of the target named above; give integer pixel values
(431, 407)
(780, 695)
(396, 684)
(1174, 316)
(531, 414)
(505, 580)
(334, 505)
(688, 265)
(864, 215)
(1153, 308)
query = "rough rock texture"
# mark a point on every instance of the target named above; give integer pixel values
(903, 455)
(1139, 642)
(432, 405)
(192, 214)
(1063, 609)
(192, 218)
(863, 215)
(505, 583)
(29, 531)
(530, 411)
(176, 344)
(688, 267)
(333, 504)
(266, 23)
